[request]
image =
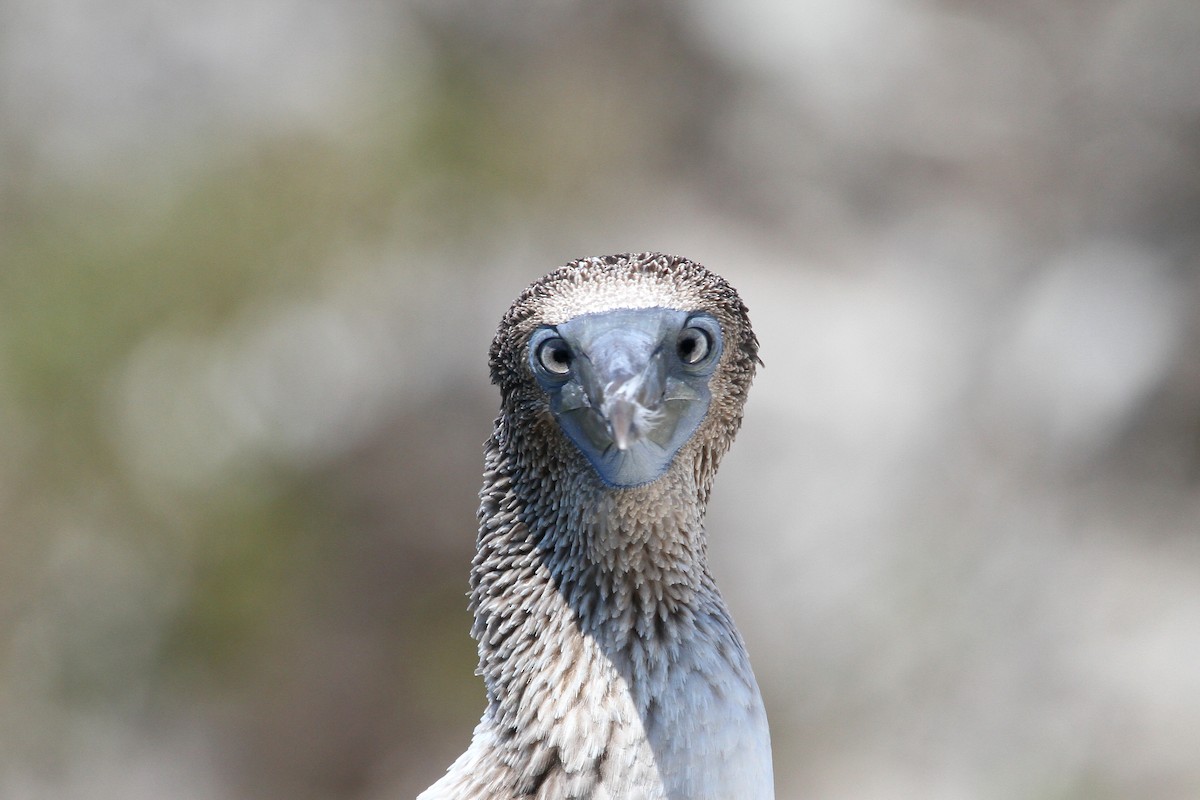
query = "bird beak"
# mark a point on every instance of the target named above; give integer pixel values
(627, 405)
(623, 375)
(620, 416)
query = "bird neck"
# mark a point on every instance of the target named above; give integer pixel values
(625, 567)
(603, 641)
(630, 562)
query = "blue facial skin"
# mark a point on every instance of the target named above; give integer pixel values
(630, 386)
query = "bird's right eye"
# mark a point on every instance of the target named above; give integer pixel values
(554, 356)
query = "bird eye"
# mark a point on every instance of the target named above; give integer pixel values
(694, 345)
(554, 356)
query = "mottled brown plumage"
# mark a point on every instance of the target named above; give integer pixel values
(612, 666)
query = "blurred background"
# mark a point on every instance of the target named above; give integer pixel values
(251, 259)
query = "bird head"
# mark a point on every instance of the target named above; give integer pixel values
(626, 355)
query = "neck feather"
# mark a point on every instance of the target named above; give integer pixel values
(625, 567)
(607, 652)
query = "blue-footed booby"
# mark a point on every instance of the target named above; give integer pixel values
(612, 665)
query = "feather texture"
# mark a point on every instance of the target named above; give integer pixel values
(612, 666)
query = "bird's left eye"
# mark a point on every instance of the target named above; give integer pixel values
(554, 356)
(694, 345)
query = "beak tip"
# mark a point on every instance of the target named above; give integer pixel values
(621, 424)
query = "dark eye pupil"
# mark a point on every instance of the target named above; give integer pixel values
(693, 346)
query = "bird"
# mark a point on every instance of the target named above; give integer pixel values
(612, 665)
